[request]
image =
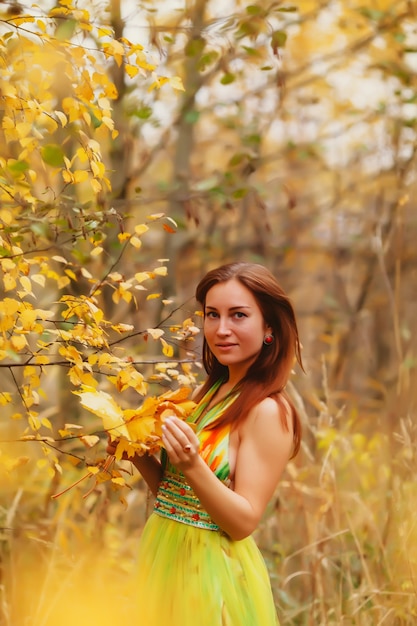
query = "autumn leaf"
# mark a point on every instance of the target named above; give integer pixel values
(102, 404)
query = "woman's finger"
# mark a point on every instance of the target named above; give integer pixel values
(180, 447)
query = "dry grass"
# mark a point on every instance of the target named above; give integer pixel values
(340, 539)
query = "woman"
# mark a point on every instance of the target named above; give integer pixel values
(198, 562)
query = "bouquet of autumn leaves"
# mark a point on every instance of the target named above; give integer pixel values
(137, 431)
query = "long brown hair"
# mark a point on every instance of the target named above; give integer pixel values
(269, 373)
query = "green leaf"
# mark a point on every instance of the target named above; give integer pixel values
(191, 117)
(278, 39)
(372, 14)
(288, 9)
(253, 9)
(207, 59)
(227, 78)
(52, 154)
(240, 193)
(195, 47)
(18, 167)
(143, 113)
(237, 158)
(66, 29)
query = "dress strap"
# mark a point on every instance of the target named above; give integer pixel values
(203, 418)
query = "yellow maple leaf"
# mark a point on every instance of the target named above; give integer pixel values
(142, 429)
(102, 404)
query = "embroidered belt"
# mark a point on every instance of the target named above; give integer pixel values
(176, 500)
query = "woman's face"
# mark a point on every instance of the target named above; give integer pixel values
(234, 327)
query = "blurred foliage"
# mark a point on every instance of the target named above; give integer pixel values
(147, 143)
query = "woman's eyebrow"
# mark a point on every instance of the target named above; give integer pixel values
(232, 308)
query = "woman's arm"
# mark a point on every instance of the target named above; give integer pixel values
(264, 449)
(147, 465)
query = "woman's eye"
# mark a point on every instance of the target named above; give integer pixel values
(239, 314)
(211, 314)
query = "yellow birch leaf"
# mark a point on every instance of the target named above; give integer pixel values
(28, 319)
(8, 282)
(97, 251)
(135, 242)
(155, 216)
(142, 276)
(167, 350)
(95, 185)
(115, 49)
(18, 342)
(71, 354)
(158, 83)
(34, 421)
(5, 398)
(161, 271)
(104, 32)
(60, 259)
(41, 360)
(98, 168)
(131, 70)
(89, 440)
(71, 274)
(153, 296)
(141, 62)
(155, 333)
(140, 229)
(23, 129)
(39, 279)
(62, 118)
(122, 328)
(82, 153)
(62, 281)
(108, 121)
(8, 265)
(9, 306)
(176, 83)
(79, 377)
(86, 273)
(67, 176)
(80, 176)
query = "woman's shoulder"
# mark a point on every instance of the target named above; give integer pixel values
(270, 411)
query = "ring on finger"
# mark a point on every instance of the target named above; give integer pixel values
(187, 447)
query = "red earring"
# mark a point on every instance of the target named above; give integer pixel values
(268, 339)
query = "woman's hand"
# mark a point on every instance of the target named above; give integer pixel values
(180, 442)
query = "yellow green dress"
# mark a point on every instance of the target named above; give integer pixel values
(190, 573)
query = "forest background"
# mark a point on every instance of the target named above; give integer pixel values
(142, 143)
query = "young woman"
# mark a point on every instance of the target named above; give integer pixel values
(198, 563)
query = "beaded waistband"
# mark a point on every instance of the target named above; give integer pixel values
(176, 500)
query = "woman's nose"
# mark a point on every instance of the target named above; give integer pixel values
(223, 327)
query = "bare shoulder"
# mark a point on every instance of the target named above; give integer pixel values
(270, 423)
(272, 410)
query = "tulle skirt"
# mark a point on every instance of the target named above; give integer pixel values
(188, 576)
